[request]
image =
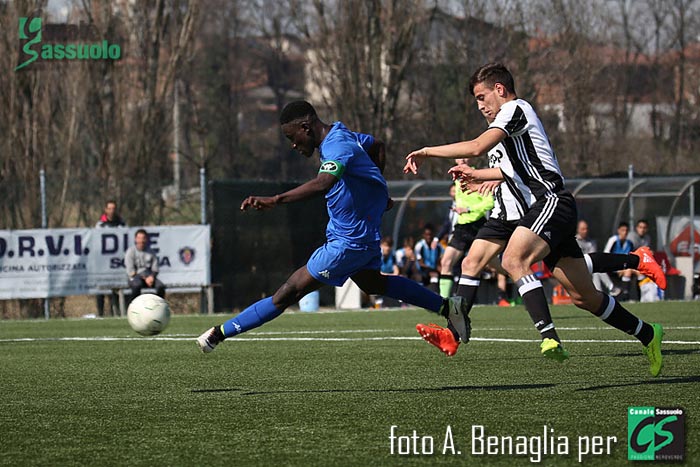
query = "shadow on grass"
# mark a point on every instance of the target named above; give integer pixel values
(664, 351)
(662, 380)
(498, 387)
(217, 390)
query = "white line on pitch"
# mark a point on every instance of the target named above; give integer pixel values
(370, 331)
(322, 339)
(325, 331)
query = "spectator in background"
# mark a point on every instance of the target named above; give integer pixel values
(406, 260)
(109, 218)
(142, 266)
(621, 245)
(588, 245)
(389, 265)
(428, 254)
(640, 237)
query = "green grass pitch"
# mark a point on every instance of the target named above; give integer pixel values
(325, 388)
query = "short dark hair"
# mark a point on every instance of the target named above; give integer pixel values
(640, 221)
(490, 74)
(623, 224)
(297, 110)
(141, 231)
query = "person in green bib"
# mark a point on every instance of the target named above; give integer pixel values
(471, 209)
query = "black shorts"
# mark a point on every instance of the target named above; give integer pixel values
(463, 235)
(554, 220)
(495, 229)
(566, 246)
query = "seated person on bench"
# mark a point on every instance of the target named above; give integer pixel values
(142, 266)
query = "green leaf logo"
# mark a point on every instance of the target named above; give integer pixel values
(30, 31)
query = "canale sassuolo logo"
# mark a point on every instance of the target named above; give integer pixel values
(30, 31)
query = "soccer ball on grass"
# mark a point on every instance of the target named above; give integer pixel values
(148, 314)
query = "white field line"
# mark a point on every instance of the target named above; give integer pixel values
(321, 339)
(377, 331)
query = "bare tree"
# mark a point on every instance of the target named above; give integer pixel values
(359, 56)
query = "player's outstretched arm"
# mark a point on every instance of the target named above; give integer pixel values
(463, 149)
(466, 173)
(483, 188)
(319, 185)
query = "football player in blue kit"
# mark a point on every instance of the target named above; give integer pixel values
(350, 178)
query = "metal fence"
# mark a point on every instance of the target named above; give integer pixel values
(602, 202)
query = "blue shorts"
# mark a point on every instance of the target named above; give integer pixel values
(334, 262)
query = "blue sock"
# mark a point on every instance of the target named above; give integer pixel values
(408, 291)
(255, 315)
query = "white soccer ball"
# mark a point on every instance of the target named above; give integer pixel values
(148, 314)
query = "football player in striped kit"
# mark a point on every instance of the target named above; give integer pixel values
(546, 231)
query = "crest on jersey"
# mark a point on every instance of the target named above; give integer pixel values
(329, 166)
(495, 158)
(333, 168)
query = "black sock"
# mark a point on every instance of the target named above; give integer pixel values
(530, 288)
(618, 317)
(467, 289)
(609, 262)
(218, 333)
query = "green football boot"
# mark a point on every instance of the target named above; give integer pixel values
(550, 348)
(653, 350)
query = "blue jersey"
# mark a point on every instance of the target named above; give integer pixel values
(358, 200)
(622, 247)
(429, 256)
(388, 263)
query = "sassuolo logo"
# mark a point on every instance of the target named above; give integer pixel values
(655, 434)
(33, 49)
(32, 26)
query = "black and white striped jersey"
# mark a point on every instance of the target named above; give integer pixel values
(505, 205)
(532, 171)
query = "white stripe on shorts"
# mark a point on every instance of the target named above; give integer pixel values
(546, 214)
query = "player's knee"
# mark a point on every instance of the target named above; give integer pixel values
(446, 265)
(471, 266)
(513, 264)
(286, 295)
(588, 301)
(370, 283)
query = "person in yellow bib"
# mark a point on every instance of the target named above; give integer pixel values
(471, 209)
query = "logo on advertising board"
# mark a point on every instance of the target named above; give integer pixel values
(186, 255)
